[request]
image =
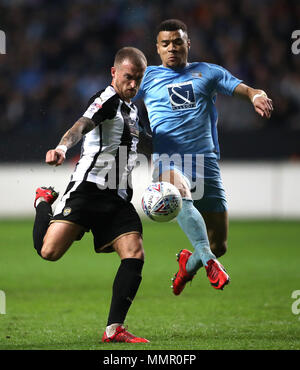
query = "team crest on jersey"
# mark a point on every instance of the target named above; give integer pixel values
(67, 211)
(182, 95)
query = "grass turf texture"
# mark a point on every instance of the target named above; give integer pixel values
(64, 304)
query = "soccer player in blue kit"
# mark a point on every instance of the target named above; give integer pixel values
(180, 100)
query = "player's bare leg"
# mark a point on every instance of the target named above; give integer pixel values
(217, 230)
(130, 246)
(128, 278)
(59, 237)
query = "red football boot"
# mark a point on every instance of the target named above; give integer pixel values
(49, 194)
(182, 276)
(122, 335)
(216, 274)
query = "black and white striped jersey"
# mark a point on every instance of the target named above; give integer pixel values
(109, 151)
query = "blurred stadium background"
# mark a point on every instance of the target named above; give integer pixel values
(58, 53)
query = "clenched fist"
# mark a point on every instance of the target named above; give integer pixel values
(55, 157)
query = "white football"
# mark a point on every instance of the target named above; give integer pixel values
(161, 201)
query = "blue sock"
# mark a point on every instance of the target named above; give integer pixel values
(193, 225)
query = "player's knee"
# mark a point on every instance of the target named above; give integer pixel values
(219, 248)
(135, 251)
(130, 246)
(49, 253)
(140, 254)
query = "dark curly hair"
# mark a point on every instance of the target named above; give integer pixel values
(171, 25)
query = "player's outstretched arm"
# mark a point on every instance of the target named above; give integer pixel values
(262, 104)
(70, 138)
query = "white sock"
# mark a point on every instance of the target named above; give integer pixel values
(193, 225)
(111, 329)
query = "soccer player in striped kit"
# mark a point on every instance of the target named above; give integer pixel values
(98, 196)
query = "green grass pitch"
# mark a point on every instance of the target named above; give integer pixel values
(64, 304)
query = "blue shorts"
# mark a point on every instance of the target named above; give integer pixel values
(203, 176)
(214, 197)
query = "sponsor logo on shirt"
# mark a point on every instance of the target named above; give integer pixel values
(196, 74)
(94, 107)
(182, 95)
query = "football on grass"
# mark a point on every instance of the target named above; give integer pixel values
(161, 201)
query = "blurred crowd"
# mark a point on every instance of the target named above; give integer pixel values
(59, 53)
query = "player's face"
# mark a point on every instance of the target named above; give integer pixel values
(173, 47)
(127, 78)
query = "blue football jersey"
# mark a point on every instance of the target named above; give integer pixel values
(181, 106)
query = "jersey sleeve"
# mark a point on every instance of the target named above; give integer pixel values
(101, 107)
(224, 81)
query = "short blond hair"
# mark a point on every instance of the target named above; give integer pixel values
(134, 55)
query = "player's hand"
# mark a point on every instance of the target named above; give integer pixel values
(55, 157)
(263, 106)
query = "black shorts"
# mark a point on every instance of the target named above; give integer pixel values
(103, 212)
